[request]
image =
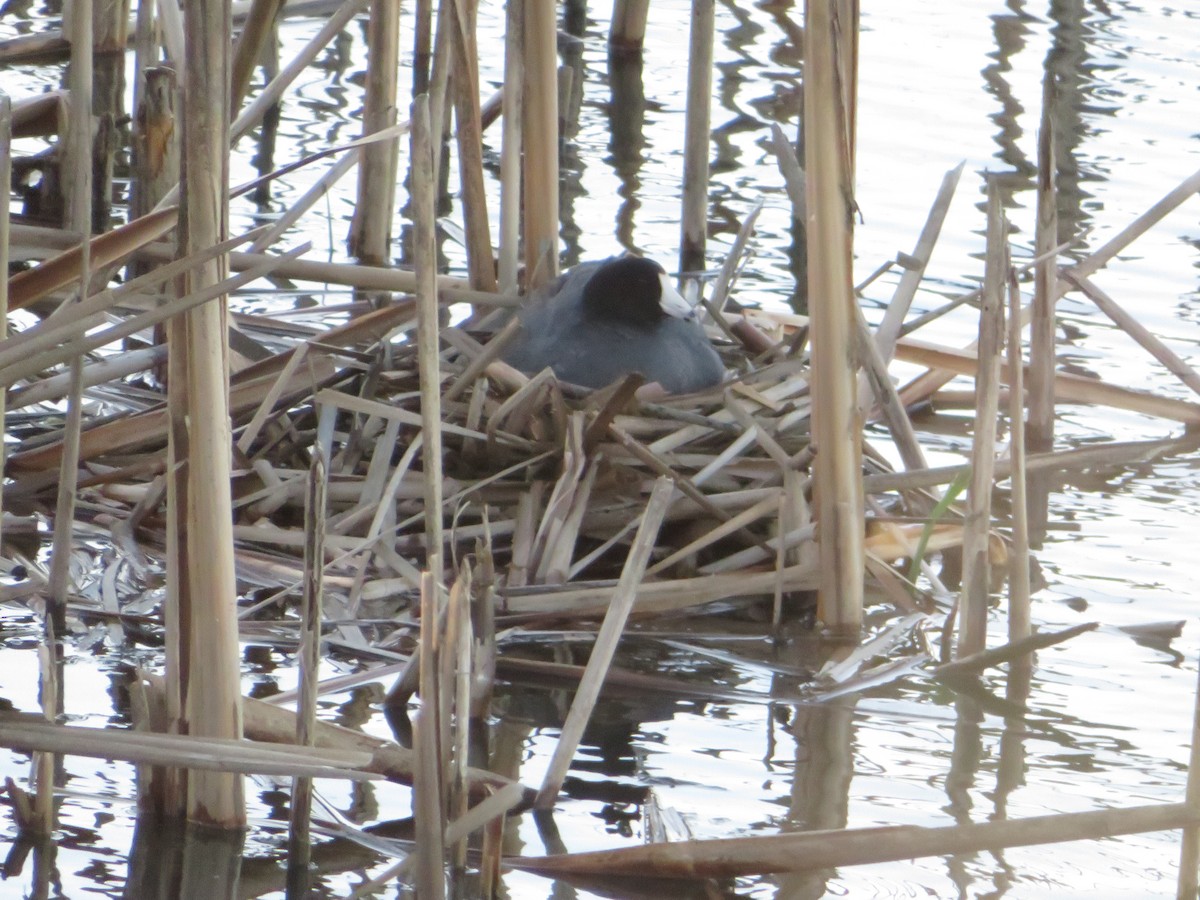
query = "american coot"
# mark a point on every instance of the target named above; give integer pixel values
(603, 320)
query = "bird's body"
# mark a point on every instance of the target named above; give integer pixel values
(604, 320)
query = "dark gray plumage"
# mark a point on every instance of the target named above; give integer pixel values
(604, 320)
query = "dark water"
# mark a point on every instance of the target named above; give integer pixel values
(1110, 715)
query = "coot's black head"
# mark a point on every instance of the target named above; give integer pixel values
(635, 291)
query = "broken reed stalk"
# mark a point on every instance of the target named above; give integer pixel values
(607, 638)
(481, 265)
(540, 142)
(1019, 621)
(976, 578)
(509, 242)
(837, 471)
(208, 630)
(697, 138)
(888, 331)
(299, 846)
(429, 369)
(371, 225)
(925, 385)
(155, 140)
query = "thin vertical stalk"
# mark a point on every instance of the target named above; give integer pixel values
(422, 47)
(510, 146)
(481, 264)
(310, 657)
(972, 636)
(211, 690)
(429, 370)
(697, 135)
(628, 28)
(429, 805)
(460, 651)
(837, 425)
(1019, 623)
(1046, 290)
(78, 177)
(146, 52)
(1189, 849)
(258, 28)
(439, 84)
(1045, 284)
(371, 227)
(5, 181)
(171, 20)
(606, 641)
(541, 143)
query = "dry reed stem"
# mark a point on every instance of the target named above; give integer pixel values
(605, 646)
(1189, 845)
(480, 262)
(429, 801)
(1068, 388)
(1117, 453)
(271, 94)
(170, 23)
(1013, 650)
(976, 580)
(540, 143)
(735, 857)
(461, 658)
(894, 414)
(627, 29)
(439, 85)
(104, 250)
(926, 384)
(1019, 619)
(837, 472)
(212, 754)
(1155, 347)
(268, 723)
(248, 47)
(310, 655)
(38, 347)
(1042, 354)
(5, 179)
(209, 628)
(371, 225)
(697, 137)
(549, 568)
(510, 146)
(914, 266)
(319, 189)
